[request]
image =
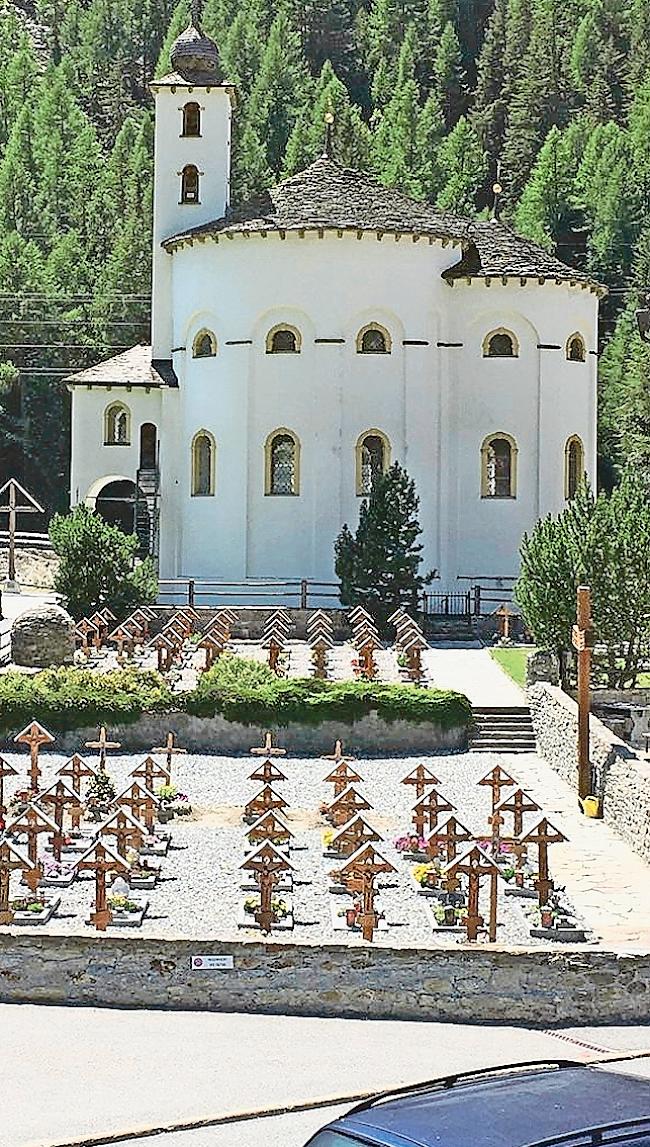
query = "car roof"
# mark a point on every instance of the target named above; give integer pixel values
(518, 1106)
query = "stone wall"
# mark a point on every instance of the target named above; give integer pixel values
(573, 986)
(250, 620)
(621, 778)
(369, 735)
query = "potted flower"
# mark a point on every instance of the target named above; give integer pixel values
(279, 907)
(56, 873)
(181, 805)
(412, 846)
(427, 875)
(121, 906)
(21, 800)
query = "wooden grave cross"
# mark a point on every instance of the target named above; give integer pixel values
(6, 770)
(361, 869)
(269, 827)
(446, 837)
(128, 831)
(61, 797)
(31, 823)
(275, 649)
(427, 810)
(268, 749)
(151, 771)
(121, 637)
(212, 648)
(542, 834)
(103, 745)
(76, 769)
(266, 800)
(518, 803)
(164, 650)
(267, 865)
(338, 755)
(582, 639)
(497, 779)
(171, 750)
(85, 628)
(350, 838)
(342, 777)
(101, 859)
(346, 805)
(320, 647)
(11, 859)
(267, 772)
(12, 508)
(476, 864)
(422, 778)
(142, 803)
(34, 735)
(504, 614)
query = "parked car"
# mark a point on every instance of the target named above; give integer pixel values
(535, 1104)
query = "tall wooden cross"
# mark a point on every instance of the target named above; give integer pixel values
(542, 834)
(31, 823)
(266, 800)
(582, 639)
(504, 614)
(497, 779)
(6, 770)
(338, 755)
(268, 749)
(476, 864)
(127, 831)
(76, 769)
(142, 803)
(151, 772)
(359, 876)
(422, 778)
(102, 744)
(269, 827)
(353, 835)
(427, 810)
(517, 803)
(171, 750)
(267, 866)
(346, 805)
(446, 837)
(11, 859)
(342, 777)
(34, 735)
(101, 859)
(12, 507)
(61, 797)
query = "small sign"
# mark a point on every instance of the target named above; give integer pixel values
(211, 963)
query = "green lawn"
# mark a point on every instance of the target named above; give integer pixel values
(513, 661)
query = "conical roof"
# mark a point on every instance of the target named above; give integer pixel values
(194, 54)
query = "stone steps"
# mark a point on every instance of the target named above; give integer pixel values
(503, 730)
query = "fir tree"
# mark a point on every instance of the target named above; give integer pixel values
(463, 162)
(449, 75)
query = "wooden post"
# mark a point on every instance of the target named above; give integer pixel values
(12, 508)
(171, 750)
(476, 864)
(103, 744)
(582, 640)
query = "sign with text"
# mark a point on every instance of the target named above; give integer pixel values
(211, 963)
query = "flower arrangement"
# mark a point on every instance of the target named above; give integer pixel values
(55, 869)
(427, 875)
(117, 902)
(411, 842)
(449, 915)
(25, 904)
(328, 837)
(279, 907)
(101, 791)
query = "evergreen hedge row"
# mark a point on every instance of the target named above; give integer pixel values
(237, 689)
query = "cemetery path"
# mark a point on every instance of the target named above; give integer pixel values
(474, 673)
(100, 1072)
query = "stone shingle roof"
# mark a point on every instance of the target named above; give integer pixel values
(494, 251)
(133, 367)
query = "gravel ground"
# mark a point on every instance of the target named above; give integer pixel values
(199, 895)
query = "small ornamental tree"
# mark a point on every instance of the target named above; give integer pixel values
(378, 567)
(97, 565)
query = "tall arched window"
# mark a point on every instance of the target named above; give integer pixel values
(574, 466)
(205, 345)
(117, 425)
(575, 348)
(282, 463)
(190, 184)
(192, 119)
(499, 467)
(373, 339)
(283, 340)
(500, 344)
(372, 459)
(203, 464)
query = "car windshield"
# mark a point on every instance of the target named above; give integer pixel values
(333, 1139)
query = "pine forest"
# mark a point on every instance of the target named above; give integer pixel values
(432, 96)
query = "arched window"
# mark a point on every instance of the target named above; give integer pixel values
(500, 344)
(574, 466)
(283, 340)
(192, 119)
(205, 345)
(203, 464)
(190, 184)
(373, 339)
(282, 463)
(372, 459)
(575, 348)
(499, 467)
(117, 425)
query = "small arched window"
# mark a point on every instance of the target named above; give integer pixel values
(500, 344)
(372, 459)
(205, 345)
(574, 466)
(499, 467)
(190, 184)
(203, 464)
(283, 340)
(373, 339)
(282, 463)
(117, 425)
(576, 350)
(192, 119)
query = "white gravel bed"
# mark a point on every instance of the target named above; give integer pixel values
(199, 893)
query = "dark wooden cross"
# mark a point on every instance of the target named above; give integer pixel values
(142, 803)
(31, 823)
(497, 779)
(12, 507)
(320, 647)
(275, 649)
(76, 769)
(353, 835)
(85, 629)
(342, 777)
(61, 797)
(267, 866)
(11, 859)
(427, 810)
(517, 803)
(542, 834)
(6, 770)
(102, 744)
(171, 750)
(422, 778)
(475, 864)
(101, 624)
(269, 827)
(151, 772)
(446, 837)
(266, 800)
(360, 871)
(123, 638)
(504, 614)
(101, 859)
(346, 805)
(164, 650)
(268, 749)
(582, 639)
(338, 755)
(267, 772)
(213, 648)
(34, 735)
(367, 666)
(127, 831)
(140, 617)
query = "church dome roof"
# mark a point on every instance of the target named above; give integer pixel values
(194, 55)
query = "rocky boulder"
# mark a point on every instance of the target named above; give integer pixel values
(43, 636)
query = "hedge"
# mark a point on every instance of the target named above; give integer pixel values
(235, 688)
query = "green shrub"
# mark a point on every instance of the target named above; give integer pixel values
(68, 698)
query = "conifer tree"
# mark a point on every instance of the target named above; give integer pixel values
(449, 75)
(395, 154)
(278, 90)
(463, 163)
(547, 211)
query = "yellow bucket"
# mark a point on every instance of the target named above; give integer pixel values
(591, 806)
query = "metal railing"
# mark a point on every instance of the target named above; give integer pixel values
(5, 647)
(300, 593)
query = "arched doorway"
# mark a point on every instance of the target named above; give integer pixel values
(116, 504)
(148, 446)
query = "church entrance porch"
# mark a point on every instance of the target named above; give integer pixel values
(116, 504)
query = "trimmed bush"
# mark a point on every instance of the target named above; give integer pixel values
(71, 698)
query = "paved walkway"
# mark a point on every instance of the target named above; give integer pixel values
(474, 673)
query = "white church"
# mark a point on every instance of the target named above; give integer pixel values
(305, 340)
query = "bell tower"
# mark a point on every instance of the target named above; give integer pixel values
(191, 159)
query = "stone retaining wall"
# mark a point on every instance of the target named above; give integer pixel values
(574, 986)
(621, 778)
(369, 735)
